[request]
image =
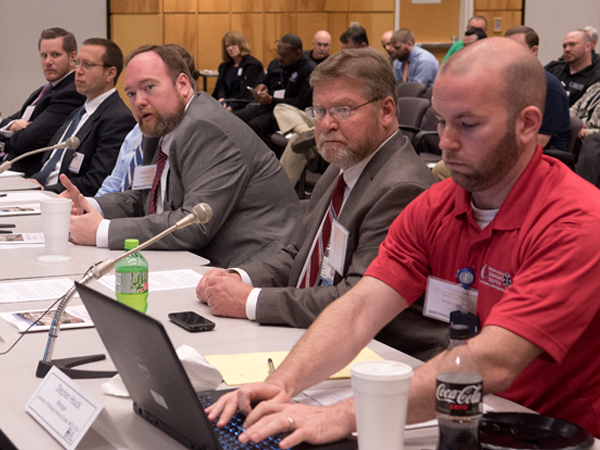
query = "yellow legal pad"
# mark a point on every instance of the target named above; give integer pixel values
(253, 367)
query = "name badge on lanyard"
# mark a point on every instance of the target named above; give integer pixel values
(143, 177)
(335, 254)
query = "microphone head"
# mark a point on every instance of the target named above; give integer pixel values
(72, 143)
(202, 213)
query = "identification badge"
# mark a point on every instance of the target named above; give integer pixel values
(28, 112)
(143, 177)
(76, 162)
(443, 297)
(280, 93)
(327, 272)
(240, 70)
(338, 243)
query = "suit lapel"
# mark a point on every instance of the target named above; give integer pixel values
(86, 128)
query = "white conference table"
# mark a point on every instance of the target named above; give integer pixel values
(17, 368)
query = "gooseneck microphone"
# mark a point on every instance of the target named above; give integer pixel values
(201, 213)
(71, 143)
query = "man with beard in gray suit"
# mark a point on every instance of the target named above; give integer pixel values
(196, 152)
(374, 173)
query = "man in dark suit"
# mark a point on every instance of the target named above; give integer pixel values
(101, 124)
(48, 106)
(382, 174)
(196, 151)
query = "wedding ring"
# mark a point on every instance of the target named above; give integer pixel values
(292, 424)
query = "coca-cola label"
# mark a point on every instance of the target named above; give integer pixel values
(458, 399)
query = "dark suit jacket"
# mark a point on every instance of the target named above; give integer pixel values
(49, 114)
(100, 139)
(217, 159)
(393, 178)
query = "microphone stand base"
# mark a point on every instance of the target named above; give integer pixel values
(66, 364)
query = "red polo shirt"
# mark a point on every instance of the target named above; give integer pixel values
(537, 269)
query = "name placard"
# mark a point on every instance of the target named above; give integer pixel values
(64, 409)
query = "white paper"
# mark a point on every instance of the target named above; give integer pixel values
(22, 196)
(10, 174)
(19, 210)
(163, 280)
(76, 317)
(34, 290)
(20, 239)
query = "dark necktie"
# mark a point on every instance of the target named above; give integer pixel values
(43, 174)
(315, 257)
(43, 92)
(160, 167)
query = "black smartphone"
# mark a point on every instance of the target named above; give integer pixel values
(191, 321)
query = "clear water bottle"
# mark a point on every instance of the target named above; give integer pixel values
(132, 279)
(458, 395)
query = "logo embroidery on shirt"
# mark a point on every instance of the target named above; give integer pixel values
(495, 278)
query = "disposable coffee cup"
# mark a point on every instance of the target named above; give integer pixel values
(381, 400)
(56, 215)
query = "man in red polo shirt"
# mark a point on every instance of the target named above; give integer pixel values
(523, 222)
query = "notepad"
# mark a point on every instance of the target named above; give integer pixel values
(253, 367)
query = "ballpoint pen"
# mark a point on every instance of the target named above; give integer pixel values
(271, 366)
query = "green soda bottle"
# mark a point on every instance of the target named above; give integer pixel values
(132, 279)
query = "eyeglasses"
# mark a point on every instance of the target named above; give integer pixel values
(337, 112)
(86, 65)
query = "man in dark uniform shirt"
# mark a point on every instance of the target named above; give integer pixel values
(286, 81)
(576, 71)
(321, 44)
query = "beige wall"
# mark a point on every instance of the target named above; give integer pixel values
(199, 25)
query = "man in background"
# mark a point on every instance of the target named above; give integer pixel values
(354, 37)
(413, 64)
(321, 44)
(556, 125)
(286, 81)
(387, 45)
(576, 71)
(474, 22)
(47, 107)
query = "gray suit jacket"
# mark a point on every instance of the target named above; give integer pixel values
(217, 159)
(393, 178)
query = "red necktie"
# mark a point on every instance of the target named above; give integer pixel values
(160, 166)
(315, 257)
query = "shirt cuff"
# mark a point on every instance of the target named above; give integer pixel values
(102, 234)
(251, 302)
(245, 277)
(94, 204)
(4, 130)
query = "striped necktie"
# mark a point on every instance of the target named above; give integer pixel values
(136, 160)
(43, 174)
(310, 277)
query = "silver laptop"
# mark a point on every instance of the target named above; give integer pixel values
(157, 383)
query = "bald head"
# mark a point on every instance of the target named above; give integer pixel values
(321, 44)
(522, 75)
(386, 42)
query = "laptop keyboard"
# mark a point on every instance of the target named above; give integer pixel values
(228, 435)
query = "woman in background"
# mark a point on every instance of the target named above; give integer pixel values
(238, 72)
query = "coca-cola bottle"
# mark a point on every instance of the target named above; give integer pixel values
(459, 388)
